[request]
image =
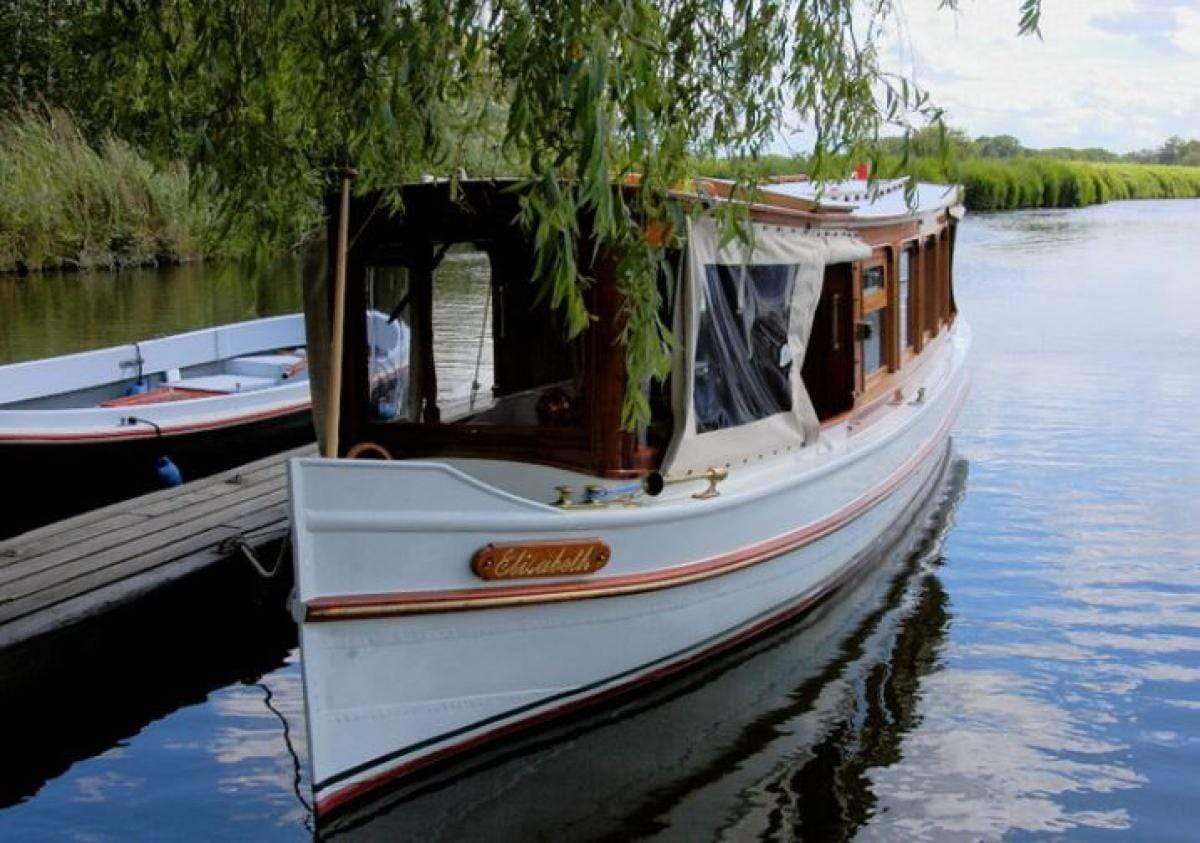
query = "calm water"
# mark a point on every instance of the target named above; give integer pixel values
(61, 313)
(1031, 668)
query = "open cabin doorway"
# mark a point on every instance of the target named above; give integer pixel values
(829, 360)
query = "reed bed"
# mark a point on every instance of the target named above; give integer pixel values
(67, 204)
(998, 184)
(1031, 182)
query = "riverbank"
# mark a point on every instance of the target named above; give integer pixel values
(69, 205)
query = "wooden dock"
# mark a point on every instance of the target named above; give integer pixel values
(63, 575)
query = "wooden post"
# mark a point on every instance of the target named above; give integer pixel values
(329, 445)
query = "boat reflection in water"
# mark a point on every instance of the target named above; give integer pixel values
(774, 740)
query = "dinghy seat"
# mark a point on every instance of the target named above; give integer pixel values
(159, 395)
(277, 367)
(227, 383)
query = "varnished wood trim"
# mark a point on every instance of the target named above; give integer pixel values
(392, 604)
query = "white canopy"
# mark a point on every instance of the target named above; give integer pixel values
(754, 305)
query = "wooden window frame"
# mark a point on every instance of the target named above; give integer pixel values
(916, 334)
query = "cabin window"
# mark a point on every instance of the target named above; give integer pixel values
(872, 329)
(450, 344)
(873, 281)
(905, 301)
(462, 331)
(743, 362)
(389, 344)
(873, 343)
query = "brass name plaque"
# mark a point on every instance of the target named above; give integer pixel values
(517, 560)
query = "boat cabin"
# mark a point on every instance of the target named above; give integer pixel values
(450, 350)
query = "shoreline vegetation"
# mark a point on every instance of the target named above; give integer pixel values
(69, 204)
(1005, 184)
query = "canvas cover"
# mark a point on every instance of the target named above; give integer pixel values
(745, 314)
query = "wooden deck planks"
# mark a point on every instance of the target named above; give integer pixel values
(112, 548)
(57, 575)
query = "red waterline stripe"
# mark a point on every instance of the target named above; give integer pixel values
(389, 604)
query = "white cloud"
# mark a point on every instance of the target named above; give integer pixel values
(1187, 34)
(1122, 74)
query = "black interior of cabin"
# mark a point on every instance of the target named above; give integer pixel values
(828, 371)
(549, 399)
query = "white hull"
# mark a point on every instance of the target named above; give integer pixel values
(240, 374)
(57, 400)
(409, 658)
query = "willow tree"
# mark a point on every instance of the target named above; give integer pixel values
(271, 97)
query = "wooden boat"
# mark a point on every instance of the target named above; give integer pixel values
(473, 564)
(203, 380)
(89, 427)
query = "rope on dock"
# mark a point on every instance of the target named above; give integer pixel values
(238, 543)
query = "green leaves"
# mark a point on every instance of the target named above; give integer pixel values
(269, 98)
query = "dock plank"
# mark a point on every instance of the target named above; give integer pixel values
(59, 575)
(64, 534)
(114, 545)
(208, 539)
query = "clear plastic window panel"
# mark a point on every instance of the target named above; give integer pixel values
(743, 363)
(905, 274)
(388, 344)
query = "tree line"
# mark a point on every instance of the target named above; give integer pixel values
(957, 144)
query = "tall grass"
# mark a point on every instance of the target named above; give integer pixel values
(67, 204)
(1030, 182)
(996, 184)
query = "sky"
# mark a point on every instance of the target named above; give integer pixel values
(1120, 74)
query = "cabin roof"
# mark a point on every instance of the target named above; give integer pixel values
(855, 196)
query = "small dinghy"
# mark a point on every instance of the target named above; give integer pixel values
(88, 428)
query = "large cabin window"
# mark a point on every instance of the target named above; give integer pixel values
(461, 348)
(743, 364)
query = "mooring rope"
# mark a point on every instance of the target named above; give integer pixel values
(240, 544)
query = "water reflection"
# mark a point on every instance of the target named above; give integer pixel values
(64, 312)
(151, 719)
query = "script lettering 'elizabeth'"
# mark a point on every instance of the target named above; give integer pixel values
(518, 560)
